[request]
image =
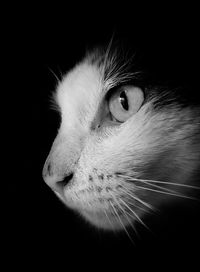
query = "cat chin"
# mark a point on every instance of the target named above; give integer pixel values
(106, 222)
(97, 217)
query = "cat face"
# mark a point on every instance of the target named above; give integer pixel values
(120, 151)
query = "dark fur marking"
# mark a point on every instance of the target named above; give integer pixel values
(109, 176)
(90, 178)
(118, 173)
(101, 176)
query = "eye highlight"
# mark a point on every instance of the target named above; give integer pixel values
(125, 102)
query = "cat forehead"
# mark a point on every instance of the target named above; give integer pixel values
(79, 94)
(98, 72)
(81, 82)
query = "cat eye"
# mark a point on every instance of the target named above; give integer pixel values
(125, 102)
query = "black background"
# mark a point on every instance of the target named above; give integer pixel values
(39, 229)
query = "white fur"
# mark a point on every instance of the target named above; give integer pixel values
(155, 145)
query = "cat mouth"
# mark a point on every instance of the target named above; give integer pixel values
(107, 217)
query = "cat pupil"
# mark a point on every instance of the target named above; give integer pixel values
(123, 100)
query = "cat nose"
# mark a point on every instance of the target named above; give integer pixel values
(55, 181)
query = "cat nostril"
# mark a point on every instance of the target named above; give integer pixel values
(62, 183)
(49, 169)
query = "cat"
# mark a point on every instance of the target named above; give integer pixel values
(123, 148)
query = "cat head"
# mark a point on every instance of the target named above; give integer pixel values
(122, 148)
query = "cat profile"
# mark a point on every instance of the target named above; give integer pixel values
(122, 149)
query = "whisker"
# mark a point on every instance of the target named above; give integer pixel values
(128, 201)
(115, 211)
(134, 213)
(134, 205)
(131, 196)
(138, 199)
(162, 182)
(159, 187)
(109, 220)
(58, 80)
(175, 184)
(124, 212)
(166, 193)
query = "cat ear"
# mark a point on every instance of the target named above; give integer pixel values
(125, 102)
